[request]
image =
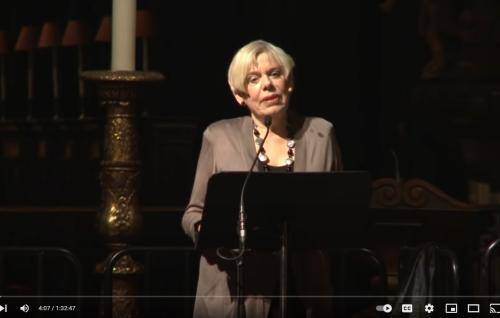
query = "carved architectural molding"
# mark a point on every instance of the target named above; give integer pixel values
(413, 193)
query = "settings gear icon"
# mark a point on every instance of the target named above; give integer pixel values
(429, 308)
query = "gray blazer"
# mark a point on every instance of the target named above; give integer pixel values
(228, 145)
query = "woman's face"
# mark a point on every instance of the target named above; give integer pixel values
(267, 87)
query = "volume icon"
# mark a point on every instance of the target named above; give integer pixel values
(24, 308)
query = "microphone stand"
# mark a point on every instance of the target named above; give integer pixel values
(242, 229)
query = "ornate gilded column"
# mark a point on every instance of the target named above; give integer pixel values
(120, 219)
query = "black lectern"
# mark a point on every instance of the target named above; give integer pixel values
(286, 211)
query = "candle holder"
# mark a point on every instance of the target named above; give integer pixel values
(145, 29)
(120, 220)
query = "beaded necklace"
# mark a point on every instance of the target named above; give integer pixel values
(264, 159)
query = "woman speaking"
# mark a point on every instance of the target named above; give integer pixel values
(260, 77)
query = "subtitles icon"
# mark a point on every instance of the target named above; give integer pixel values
(407, 308)
(451, 308)
(473, 308)
(495, 308)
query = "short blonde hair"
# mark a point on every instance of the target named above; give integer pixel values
(246, 57)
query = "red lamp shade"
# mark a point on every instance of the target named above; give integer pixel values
(49, 36)
(27, 39)
(144, 24)
(104, 32)
(75, 33)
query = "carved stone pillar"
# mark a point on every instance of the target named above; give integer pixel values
(120, 219)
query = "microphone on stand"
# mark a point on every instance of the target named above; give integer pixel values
(242, 213)
(242, 232)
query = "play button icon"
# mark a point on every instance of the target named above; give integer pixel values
(3, 308)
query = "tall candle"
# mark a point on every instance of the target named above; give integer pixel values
(123, 35)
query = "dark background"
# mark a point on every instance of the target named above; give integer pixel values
(357, 66)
